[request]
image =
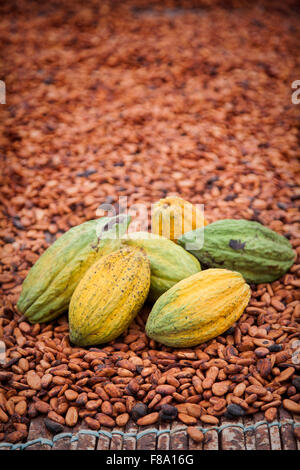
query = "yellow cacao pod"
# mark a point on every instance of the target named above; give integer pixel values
(169, 262)
(109, 296)
(198, 308)
(50, 283)
(173, 216)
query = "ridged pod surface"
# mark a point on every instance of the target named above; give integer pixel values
(258, 253)
(198, 308)
(169, 262)
(173, 216)
(109, 297)
(50, 283)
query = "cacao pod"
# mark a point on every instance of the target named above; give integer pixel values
(198, 308)
(109, 296)
(50, 283)
(258, 253)
(169, 262)
(173, 216)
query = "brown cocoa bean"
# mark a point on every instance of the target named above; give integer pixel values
(285, 374)
(46, 380)
(42, 406)
(165, 389)
(15, 436)
(291, 405)
(71, 395)
(122, 419)
(21, 408)
(208, 419)
(220, 388)
(3, 416)
(239, 389)
(92, 423)
(112, 390)
(258, 390)
(56, 417)
(195, 434)
(105, 420)
(270, 414)
(71, 416)
(107, 408)
(187, 419)
(33, 380)
(193, 409)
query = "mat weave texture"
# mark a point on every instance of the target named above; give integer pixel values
(242, 434)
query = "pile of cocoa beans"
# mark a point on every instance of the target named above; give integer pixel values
(202, 110)
(252, 367)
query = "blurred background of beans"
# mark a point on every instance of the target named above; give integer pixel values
(144, 99)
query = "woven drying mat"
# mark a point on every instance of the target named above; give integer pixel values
(248, 433)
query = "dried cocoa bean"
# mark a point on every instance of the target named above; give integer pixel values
(148, 419)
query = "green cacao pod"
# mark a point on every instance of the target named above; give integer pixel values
(258, 253)
(50, 283)
(198, 308)
(169, 262)
(109, 296)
